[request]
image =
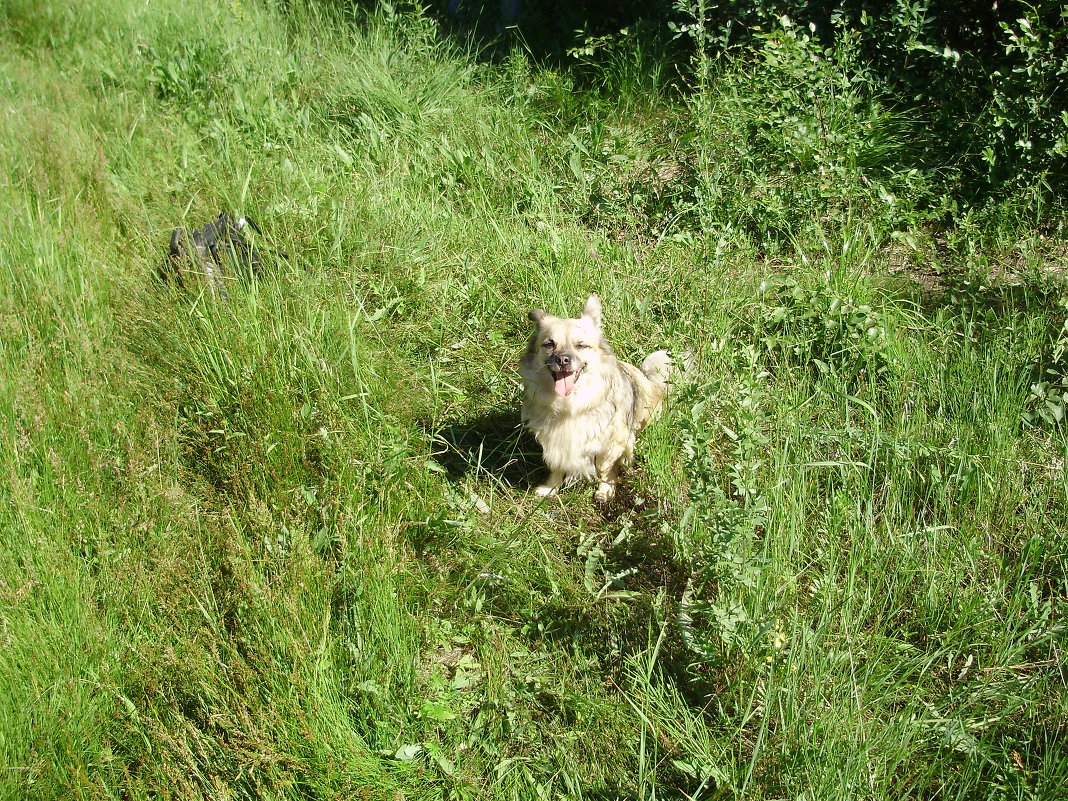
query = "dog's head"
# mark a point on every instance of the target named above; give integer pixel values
(561, 351)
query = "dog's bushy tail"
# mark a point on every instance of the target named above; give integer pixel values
(664, 367)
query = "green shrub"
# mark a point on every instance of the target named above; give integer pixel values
(797, 141)
(819, 329)
(1026, 122)
(1047, 400)
(984, 88)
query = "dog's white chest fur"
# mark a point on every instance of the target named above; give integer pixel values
(572, 431)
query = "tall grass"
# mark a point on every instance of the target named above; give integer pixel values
(285, 547)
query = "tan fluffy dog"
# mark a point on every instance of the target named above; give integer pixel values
(585, 406)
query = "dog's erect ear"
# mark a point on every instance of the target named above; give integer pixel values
(536, 315)
(592, 310)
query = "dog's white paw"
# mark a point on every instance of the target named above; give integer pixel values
(545, 490)
(605, 493)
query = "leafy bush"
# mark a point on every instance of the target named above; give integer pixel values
(1026, 123)
(984, 87)
(1047, 400)
(186, 71)
(817, 328)
(726, 510)
(798, 140)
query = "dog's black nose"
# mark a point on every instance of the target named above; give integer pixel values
(563, 361)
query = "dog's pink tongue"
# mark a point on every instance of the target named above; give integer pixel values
(565, 382)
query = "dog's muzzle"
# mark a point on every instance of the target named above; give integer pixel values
(565, 370)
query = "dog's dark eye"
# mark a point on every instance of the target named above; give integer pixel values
(581, 345)
(549, 344)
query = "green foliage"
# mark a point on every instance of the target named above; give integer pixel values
(1027, 118)
(933, 62)
(799, 126)
(717, 529)
(1048, 396)
(187, 74)
(816, 328)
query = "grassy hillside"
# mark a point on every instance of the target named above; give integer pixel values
(286, 547)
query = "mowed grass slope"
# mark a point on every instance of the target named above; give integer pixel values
(285, 547)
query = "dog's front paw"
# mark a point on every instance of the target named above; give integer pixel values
(544, 490)
(605, 493)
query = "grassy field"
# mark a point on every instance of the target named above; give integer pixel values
(286, 546)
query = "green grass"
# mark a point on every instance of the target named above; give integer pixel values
(286, 547)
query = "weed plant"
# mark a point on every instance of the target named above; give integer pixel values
(286, 547)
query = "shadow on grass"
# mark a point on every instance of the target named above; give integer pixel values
(493, 445)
